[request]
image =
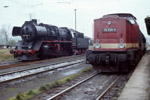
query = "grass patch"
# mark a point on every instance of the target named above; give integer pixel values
(32, 93)
(5, 55)
(9, 90)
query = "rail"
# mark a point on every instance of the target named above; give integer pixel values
(18, 64)
(108, 88)
(32, 71)
(71, 87)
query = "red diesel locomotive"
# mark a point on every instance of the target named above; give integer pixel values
(118, 43)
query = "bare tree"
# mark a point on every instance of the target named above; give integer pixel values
(5, 34)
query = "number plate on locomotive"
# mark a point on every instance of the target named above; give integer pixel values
(109, 30)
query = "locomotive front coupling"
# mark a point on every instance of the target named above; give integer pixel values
(94, 57)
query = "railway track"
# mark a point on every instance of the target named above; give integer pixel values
(107, 89)
(19, 64)
(71, 87)
(4, 77)
(65, 92)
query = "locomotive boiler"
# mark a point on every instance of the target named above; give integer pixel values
(40, 41)
(118, 43)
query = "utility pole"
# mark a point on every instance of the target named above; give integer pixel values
(30, 16)
(75, 18)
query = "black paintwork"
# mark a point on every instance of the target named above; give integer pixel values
(44, 39)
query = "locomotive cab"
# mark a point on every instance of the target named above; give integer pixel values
(113, 33)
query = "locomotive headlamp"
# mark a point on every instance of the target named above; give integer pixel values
(30, 47)
(121, 45)
(97, 44)
(109, 22)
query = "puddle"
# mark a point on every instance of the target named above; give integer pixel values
(71, 72)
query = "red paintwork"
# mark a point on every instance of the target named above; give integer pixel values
(80, 52)
(55, 44)
(32, 51)
(73, 46)
(24, 51)
(58, 47)
(125, 30)
(57, 41)
(19, 51)
(48, 43)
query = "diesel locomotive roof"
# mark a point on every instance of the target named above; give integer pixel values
(120, 15)
(147, 22)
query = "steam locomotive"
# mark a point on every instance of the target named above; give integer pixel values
(40, 41)
(118, 43)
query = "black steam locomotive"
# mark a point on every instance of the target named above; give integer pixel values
(40, 41)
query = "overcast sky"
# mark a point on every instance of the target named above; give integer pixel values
(62, 13)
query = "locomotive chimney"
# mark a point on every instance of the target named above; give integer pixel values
(34, 21)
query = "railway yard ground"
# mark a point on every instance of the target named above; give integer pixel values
(66, 80)
(5, 56)
(21, 85)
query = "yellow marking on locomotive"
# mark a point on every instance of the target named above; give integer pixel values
(109, 45)
(116, 45)
(130, 45)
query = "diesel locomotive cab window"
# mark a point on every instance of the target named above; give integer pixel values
(131, 20)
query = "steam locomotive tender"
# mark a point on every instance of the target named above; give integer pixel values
(118, 43)
(40, 41)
